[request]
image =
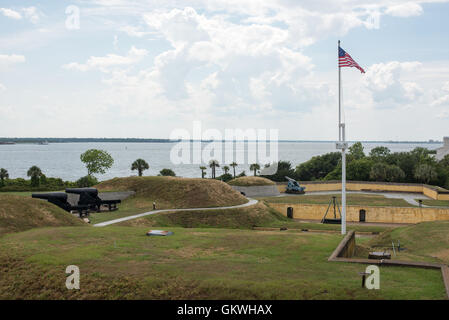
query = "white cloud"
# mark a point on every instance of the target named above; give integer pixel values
(244, 63)
(110, 60)
(409, 9)
(32, 14)
(385, 83)
(133, 31)
(2, 87)
(10, 13)
(115, 42)
(8, 60)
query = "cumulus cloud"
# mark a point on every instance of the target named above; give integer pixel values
(111, 60)
(10, 13)
(385, 83)
(245, 62)
(408, 9)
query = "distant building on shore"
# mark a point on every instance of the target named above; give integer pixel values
(444, 150)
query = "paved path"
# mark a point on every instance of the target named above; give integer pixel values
(106, 223)
(408, 197)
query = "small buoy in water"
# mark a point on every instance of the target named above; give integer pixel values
(159, 233)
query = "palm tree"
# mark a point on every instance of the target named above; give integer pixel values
(233, 165)
(3, 175)
(35, 173)
(213, 164)
(254, 167)
(225, 169)
(140, 165)
(203, 173)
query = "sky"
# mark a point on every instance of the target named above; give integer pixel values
(116, 68)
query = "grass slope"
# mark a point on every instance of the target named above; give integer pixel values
(351, 199)
(259, 215)
(426, 241)
(251, 181)
(435, 203)
(18, 213)
(123, 263)
(168, 193)
(240, 218)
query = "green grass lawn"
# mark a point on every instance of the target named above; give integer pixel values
(194, 263)
(351, 199)
(426, 241)
(20, 193)
(435, 203)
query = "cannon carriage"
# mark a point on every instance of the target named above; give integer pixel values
(88, 200)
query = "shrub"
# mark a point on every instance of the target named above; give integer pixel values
(225, 177)
(167, 172)
(87, 181)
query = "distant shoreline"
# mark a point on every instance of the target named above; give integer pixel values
(9, 141)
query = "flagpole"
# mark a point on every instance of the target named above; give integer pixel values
(339, 94)
(342, 140)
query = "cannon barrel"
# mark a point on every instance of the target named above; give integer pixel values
(91, 191)
(289, 179)
(54, 195)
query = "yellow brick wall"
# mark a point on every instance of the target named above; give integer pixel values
(373, 214)
(360, 186)
(443, 197)
(431, 193)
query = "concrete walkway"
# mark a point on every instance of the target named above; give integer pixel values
(107, 223)
(408, 197)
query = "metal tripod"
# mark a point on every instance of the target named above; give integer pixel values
(334, 203)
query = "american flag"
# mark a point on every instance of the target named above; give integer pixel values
(345, 60)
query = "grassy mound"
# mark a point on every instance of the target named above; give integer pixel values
(18, 213)
(251, 181)
(426, 241)
(240, 218)
(174, 192)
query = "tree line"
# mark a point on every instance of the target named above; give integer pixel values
(381, 165)
(416, 166)
(96, 162)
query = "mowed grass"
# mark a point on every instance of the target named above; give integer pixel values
(19, 193)
(426, 241)
(259, 215)
(197, 263)
(435, 203)
(351, 199)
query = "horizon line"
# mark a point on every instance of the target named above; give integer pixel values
(167, 140)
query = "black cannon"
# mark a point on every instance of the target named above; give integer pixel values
(89, 197)
(60, 199)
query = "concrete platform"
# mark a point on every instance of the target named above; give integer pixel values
(258, 191)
